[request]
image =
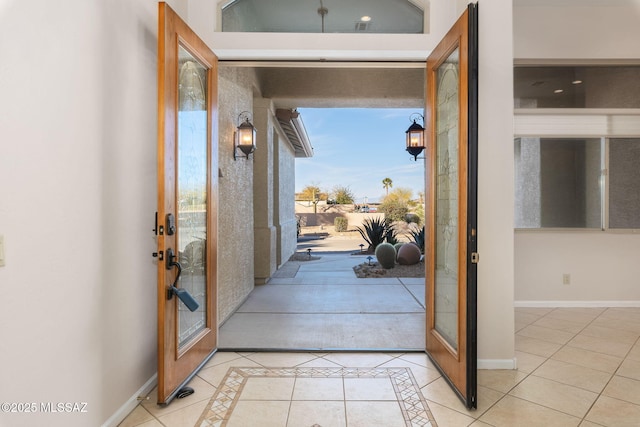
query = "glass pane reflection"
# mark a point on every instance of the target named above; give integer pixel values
(318, 16)
(192, 191)
(446, 229)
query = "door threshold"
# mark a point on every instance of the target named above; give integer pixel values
(320, 350)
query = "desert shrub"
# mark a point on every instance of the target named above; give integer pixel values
(412, 218)
(340, 224)
(343, 195)
(394, 210)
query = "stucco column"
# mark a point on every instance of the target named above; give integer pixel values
(495, 187)
(265, 242)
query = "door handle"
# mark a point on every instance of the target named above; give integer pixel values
(181, 293)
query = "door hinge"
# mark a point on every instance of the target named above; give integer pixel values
(475, 257)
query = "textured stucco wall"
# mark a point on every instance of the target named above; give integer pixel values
(285, 191)
(265, 239)
(235, 215)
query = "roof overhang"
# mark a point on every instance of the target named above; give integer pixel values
(294, 129)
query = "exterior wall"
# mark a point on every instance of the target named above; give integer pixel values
(235, 218)
(265, 237)
(285, 189)
(328, 218)
(601, 264)
(273, 193)
(78, 114)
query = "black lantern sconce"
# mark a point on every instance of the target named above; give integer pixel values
(245, 136)
(415, 136)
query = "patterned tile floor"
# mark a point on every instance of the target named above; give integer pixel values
(576, 367)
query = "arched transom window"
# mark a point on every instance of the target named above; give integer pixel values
(324, 16)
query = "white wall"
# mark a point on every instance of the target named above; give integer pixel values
(78, 166)
(604, 268)
(577, 31)
(495, 186)
(603, 265)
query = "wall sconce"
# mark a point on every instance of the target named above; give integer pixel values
(245, 136)
(415, 136)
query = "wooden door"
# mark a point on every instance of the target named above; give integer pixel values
(451, 185)
(187, 203)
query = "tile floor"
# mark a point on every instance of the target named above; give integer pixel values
(576, 367)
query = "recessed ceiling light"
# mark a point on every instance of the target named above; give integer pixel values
(576, 82)
(365, 18)
(558, 91)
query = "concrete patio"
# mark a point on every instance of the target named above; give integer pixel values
(320, 304)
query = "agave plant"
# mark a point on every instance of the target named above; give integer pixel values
(373, 231)
(392, 234)
(417, 237)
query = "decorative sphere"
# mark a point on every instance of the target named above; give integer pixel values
(409, 255)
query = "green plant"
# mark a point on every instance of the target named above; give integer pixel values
(340, 224)
(373, 231)
(391, 236)
(394, 210)
(343, 195)
(386, 255)
(397, 246)
(386, 183)
(417, 237)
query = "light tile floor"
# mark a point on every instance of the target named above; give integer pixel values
(576, 367)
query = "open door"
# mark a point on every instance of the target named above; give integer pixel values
(186, 224)
(451, 185)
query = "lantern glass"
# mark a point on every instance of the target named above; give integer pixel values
(415, 138)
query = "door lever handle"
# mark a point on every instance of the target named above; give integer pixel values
(181, 293)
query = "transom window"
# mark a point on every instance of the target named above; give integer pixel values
(324, 16)
(585, 86)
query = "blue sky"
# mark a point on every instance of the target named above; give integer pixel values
(358, 148)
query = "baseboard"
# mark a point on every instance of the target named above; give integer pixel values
(131, 403)
(497, 363)
(560, 304)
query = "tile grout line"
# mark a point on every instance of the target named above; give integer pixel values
(599, 394)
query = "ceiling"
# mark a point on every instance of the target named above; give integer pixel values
(344, 87)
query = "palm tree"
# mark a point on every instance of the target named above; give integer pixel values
(386, 183)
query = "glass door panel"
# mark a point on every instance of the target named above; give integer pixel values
(192, 192)
(446, 223)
